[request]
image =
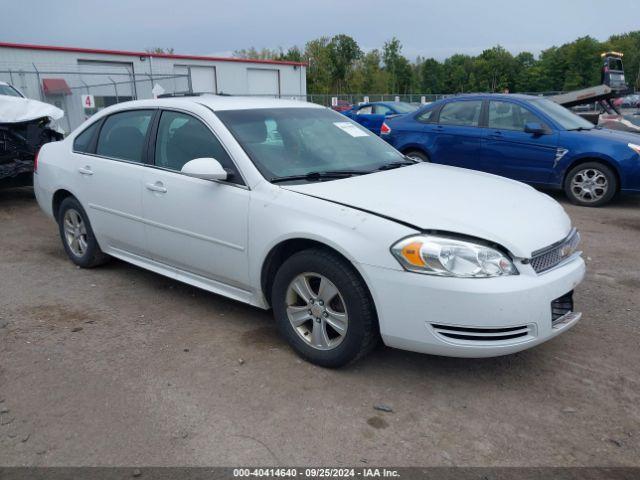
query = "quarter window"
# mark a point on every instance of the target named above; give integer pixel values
(509, 116)
(465, 113)
(82, 142)
(123, 134)
(182, 138)
(428, 116)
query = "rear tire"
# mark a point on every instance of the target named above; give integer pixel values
(590, 184)
(337, 304)
(77, 235)
(418, 155)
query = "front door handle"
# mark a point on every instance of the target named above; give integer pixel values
(156, 187)
(86, 170)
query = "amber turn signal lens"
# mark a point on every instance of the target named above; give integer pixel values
(411, 253)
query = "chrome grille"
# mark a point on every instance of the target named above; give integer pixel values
(549, 257)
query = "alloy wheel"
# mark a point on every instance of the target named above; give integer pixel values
(316, 311)
(75, 232)
(589, 185)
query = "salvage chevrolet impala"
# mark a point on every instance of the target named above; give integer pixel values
(290, 206)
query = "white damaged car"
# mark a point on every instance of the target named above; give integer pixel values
(290, 206)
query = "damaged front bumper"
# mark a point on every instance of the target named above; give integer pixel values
(19, 143)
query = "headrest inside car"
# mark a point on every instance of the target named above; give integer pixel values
(252, 132)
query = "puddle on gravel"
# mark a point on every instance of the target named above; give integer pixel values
(377, 422)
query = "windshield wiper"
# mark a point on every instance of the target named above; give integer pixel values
(580, 129)
(402, 163)
(317, 176)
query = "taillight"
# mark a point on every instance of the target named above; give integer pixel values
(385, 130)
(35, 162)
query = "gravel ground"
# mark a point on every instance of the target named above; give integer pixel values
(119, 366)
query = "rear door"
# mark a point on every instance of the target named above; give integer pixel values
(198, 226)
(364, 115)
(457, 136)
(509, 151)
(110, 169)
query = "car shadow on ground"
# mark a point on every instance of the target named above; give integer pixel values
(16, 196)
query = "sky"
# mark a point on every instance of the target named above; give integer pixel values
(429, 28)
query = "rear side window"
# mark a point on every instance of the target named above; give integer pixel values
(466, 113)
(509, 116)
(182, 138)
(82, 143)
(123, 135)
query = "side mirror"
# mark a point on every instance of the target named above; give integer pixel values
(205, 168)
(535, 128)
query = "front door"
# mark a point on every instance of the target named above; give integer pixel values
(509, 151)
(197, 226)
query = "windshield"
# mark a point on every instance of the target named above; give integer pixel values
(9, 90)
(285, 142)
(565, 118)
(404, 107)
(615, 64)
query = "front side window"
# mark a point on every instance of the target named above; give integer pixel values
(462, 113)
(123, 135)
(310, 140)
(382, 110)
(404, 107)
(509, 116)
(368, 110)
(182, 138)
(563, 116)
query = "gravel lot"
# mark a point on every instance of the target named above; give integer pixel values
(119, 366)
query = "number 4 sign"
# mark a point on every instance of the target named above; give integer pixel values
(88, 101)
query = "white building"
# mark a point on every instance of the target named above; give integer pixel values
(82, 80)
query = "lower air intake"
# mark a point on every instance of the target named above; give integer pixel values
(482, 334)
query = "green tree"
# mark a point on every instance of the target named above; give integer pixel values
(343, 52)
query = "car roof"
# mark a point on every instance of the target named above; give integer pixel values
(505, 96)
(216, 103)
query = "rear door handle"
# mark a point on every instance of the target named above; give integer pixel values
(86, 170)
(156, 187)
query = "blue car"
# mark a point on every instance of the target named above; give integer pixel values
(525, 138)
(372, 115)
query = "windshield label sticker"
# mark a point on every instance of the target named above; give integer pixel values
(351, 129)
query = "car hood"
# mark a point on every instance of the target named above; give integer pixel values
(448, 199)
(608, 134)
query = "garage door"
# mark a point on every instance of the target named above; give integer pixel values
(263, 81)
(203, 79)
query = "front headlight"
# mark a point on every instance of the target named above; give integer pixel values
(451, 257)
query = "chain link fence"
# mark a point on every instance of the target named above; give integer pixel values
(83, 89)
(67, 86)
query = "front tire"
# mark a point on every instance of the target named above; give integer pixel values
(77, 235)
(590, 184)
(323, 308)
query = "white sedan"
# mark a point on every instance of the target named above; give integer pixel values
(290, 206)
